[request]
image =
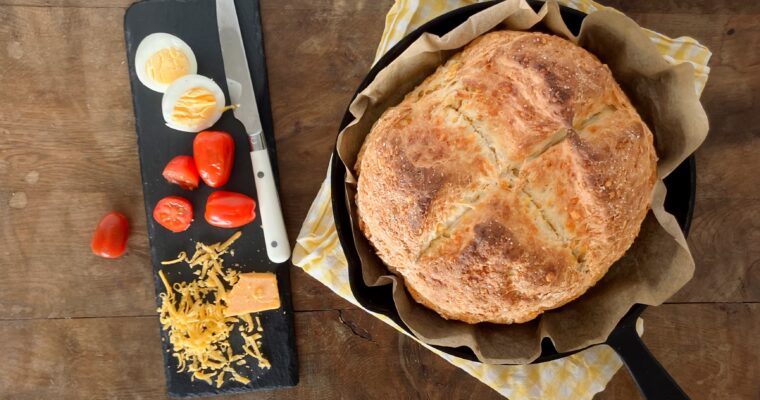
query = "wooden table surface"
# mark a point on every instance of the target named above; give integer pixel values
(76, 326)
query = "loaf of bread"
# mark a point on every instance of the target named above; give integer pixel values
(509, 181)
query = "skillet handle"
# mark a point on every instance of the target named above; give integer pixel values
(653, 380)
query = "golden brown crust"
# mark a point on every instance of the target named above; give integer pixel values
(509, 181)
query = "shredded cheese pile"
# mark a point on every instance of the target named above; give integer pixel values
(193, 314)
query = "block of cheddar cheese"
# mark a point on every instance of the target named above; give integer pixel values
(253, 292)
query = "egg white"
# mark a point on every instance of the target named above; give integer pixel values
(181, 86)
(151, 45)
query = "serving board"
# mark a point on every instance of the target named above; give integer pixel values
(194, 21)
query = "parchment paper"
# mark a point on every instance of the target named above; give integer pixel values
(654, 268)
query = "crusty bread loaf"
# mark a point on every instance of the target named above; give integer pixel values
(509, 181)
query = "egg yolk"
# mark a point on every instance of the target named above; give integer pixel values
(195, 106)
(167, 65)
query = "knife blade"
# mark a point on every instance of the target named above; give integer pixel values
(247, 112)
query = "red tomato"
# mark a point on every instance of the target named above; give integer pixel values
(174, 213)
(110, 238)
(229, 209)
(181, 171)
(214, 153)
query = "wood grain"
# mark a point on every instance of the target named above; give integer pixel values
(69, 118)
(120, 358)
(122, 4)
(680, 7)
(710, 349)
(334, 44)
(68, 155)
(725, 234)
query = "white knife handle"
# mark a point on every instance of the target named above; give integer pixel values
(275, 236)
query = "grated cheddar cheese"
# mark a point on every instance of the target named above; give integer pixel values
(193, 315)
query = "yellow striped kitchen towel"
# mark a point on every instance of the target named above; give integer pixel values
(318, 250)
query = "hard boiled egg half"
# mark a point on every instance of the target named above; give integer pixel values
(161, 59)
(192, 103)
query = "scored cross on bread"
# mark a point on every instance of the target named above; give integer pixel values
(509, 181)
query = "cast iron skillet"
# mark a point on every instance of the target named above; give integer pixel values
(652, 379)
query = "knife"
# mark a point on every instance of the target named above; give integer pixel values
(247, 112)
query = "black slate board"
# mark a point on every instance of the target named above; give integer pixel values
(194, 21)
